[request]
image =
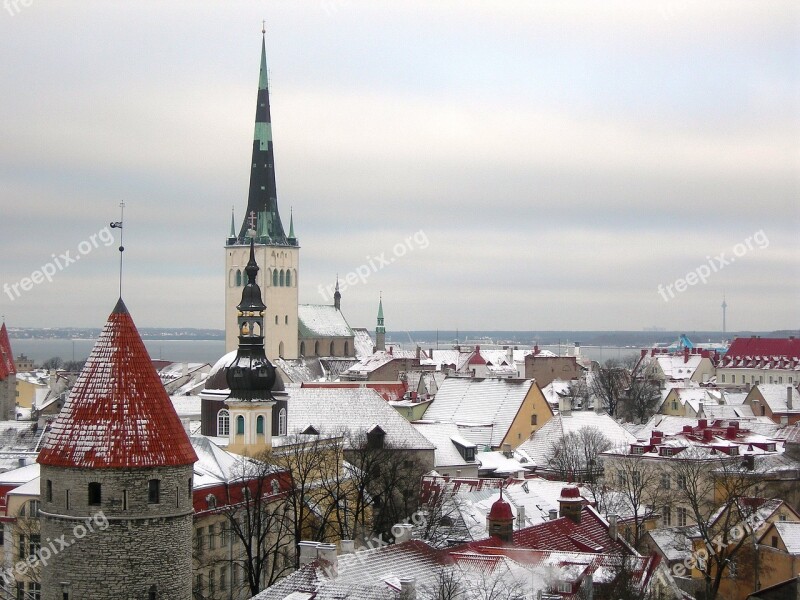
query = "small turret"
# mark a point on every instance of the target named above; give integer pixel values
(337, 296)
(380, 329)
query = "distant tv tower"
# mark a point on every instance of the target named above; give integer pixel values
(724, 308)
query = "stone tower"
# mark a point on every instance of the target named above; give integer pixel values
(278, 253)
(256, 390)
(380, 330)
(116, 481)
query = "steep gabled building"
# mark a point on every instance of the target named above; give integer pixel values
(8, 377)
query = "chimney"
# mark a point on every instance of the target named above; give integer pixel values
(520, 517)
(612, 527)
(347, 546)
(408, 588)
(391, 350)
(708, 435)
(702, 423)
(685, 355)
(308, 552)
(564, 406)
(730, 433)
(326, 553)
(570, 503)
(418, 352)
(747, 386)
(510, 356)
(789, 397)
(552, 514)
(535, 350)
(507, 452)
(402, 532)
(644, 353)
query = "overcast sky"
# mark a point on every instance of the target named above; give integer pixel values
(561, 159)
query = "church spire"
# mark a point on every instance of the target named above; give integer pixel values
(251, 376)
(337, 296)
(380, 330)
(263, 196)
(291, 239)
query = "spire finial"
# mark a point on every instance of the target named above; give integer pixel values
(263, 27)
(118, 225)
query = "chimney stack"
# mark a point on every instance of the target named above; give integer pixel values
(552, 514)
(612, 527)
(789, 397)
(347, 546)
(326, 553)
(402, 532)
(308, 552)
(408, 588)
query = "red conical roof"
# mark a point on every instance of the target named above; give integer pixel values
(118, 413)
(6, 357)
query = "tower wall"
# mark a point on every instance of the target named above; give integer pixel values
(123, 546)
(281, 301)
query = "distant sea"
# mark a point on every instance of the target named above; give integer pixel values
(199, 351)
(208, 351)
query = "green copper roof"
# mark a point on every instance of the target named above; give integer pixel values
(233, 226)
(291, 226)
(380, 309)
(380, 328)
(262, 76)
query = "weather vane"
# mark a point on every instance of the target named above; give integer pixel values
(118, 225)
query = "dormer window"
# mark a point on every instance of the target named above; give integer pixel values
(375, 438)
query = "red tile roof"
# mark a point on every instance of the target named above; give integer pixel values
(757, 346)
(118, 413)
(6, 357)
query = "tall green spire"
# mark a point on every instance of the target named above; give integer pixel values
(380, 328)
(263, 77)
(291, 224)
(233, 225)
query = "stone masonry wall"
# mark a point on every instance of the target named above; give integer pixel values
(115, 551)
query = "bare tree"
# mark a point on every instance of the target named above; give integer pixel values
(56, 362)
(714, 491)
(633, 487)
(608, 383)
(576, 455)
(254, 537)
(642, 397)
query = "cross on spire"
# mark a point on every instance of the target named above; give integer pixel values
(252, 218)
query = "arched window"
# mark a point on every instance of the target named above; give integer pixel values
(288, 278)
(316, 348)
(333, 353)
(238, 278)
(256, 328)
(294, 277)
(240, 425)
(275, 278)
(282, 277)
(260, 425)
(223, 423)
(280, 349)
(282, 422)
(346, 348)
(302, 348)
(95, 494)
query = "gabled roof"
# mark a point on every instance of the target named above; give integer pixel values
(445, 436)
(775, 395)
(790, 534)
(362, 342)
(321, 320)
(540, 445)
(334, 410)
(758, 346)
(7, 366)
(484, 409)
(118, 413)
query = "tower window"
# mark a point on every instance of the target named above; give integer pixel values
(154, 491)
(288, 279)
(282, 422)
(238, 278)
(95, 494)
(49, 493)
(240, 425)
(275, 278)
(223, 423)
(333, 351)
(286, 320)
(260, 425)
(282, 278)
(153, 593)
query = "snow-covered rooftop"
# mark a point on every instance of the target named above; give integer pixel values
(321, 320)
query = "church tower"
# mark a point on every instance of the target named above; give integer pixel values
(380, 330)
(252, 378)
(278, 253)
(116, 481)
